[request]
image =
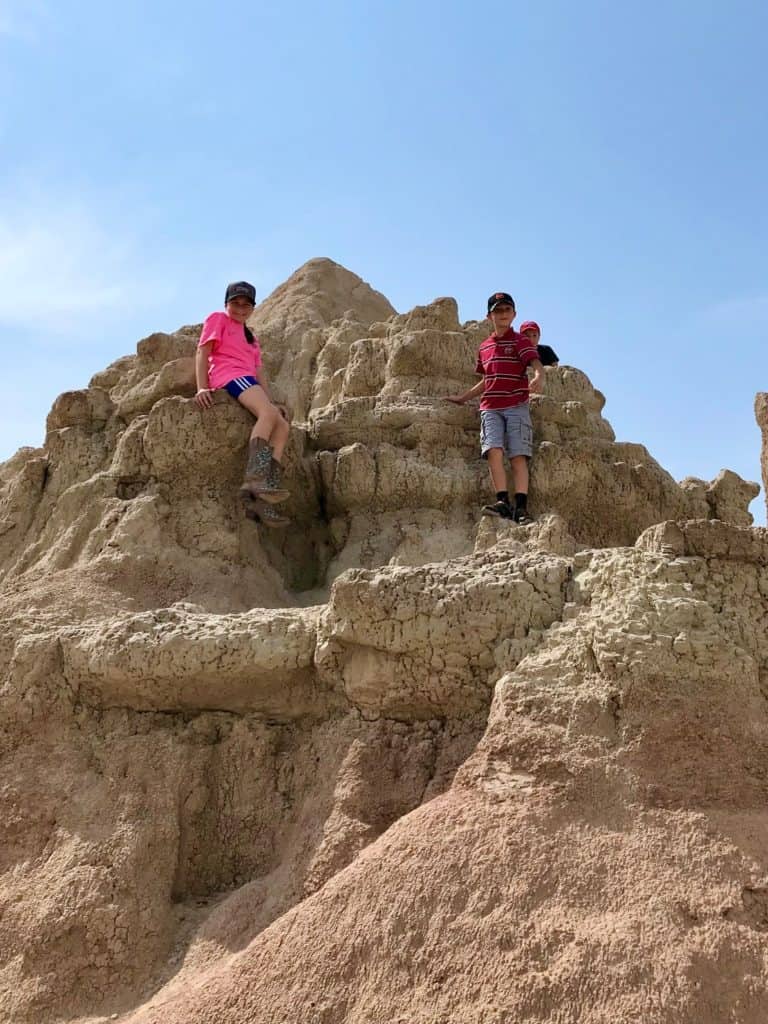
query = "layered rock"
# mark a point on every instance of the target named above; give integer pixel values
(291, 320)
(398, 762)
(761, 414)
(382, 469)
(389, 445)
(601, 855)
(132, 469)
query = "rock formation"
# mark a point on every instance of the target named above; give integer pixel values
(761, 415)
(396, 763)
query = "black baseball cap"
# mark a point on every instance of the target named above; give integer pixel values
(238, 289)
(500, 299)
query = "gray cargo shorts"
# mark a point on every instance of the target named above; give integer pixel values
(509, 429)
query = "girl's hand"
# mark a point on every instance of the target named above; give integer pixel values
(283, 412)
(204, 398)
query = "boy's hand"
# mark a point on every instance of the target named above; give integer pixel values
(456, 399)
(204, 398)
(535, 386)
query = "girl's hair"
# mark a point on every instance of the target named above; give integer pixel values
(248, 335)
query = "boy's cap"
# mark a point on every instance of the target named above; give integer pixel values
(238, 289)
(528, 325)
(500, 299)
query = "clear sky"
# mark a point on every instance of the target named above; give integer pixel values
(605, 162)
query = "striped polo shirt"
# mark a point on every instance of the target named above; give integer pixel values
(502, 362)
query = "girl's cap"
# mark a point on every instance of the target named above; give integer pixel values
(238, 289)
(528, 325)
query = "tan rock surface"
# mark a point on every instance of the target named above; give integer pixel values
(761, 414)
(600, 856)
(399, 763)
(291, 320)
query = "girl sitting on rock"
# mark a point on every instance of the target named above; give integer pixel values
(229, 357)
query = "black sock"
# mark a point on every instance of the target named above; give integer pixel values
(521, 501)
(502, 496)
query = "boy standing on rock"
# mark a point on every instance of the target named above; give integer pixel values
(505, 418)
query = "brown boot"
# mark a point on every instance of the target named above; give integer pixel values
(259, 480)
(276, 475)
(260, 512)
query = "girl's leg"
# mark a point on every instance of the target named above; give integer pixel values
(279, 437)
(256, 402)
(262, 475)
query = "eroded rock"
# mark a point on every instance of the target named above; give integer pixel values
(761, 415)
(400, 762)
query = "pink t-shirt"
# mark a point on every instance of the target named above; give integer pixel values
(230, 355)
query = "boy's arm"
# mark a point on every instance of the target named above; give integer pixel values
(537, 380)
(467, 395)
(203, 397)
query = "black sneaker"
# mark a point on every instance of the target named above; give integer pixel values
(500, 509)
(523, 517)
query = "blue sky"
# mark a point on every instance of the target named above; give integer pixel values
(604, 162)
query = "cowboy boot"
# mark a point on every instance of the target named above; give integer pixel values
(260, 512)
(275, 475)
(257, 474)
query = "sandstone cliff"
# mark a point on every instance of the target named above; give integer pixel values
(761, 414)
(397, 763)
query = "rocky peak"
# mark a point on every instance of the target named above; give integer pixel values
(399, 762)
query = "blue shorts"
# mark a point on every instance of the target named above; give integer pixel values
(240, 384)
(508, 429)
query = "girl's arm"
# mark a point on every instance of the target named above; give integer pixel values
(203, 397)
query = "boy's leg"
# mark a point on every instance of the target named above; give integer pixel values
(519, 465)
(492, 448)
(496, 468)
(492, 430)
(520, 476)
(498, 473)
(519, 443)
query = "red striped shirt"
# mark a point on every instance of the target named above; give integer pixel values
(502, 362)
